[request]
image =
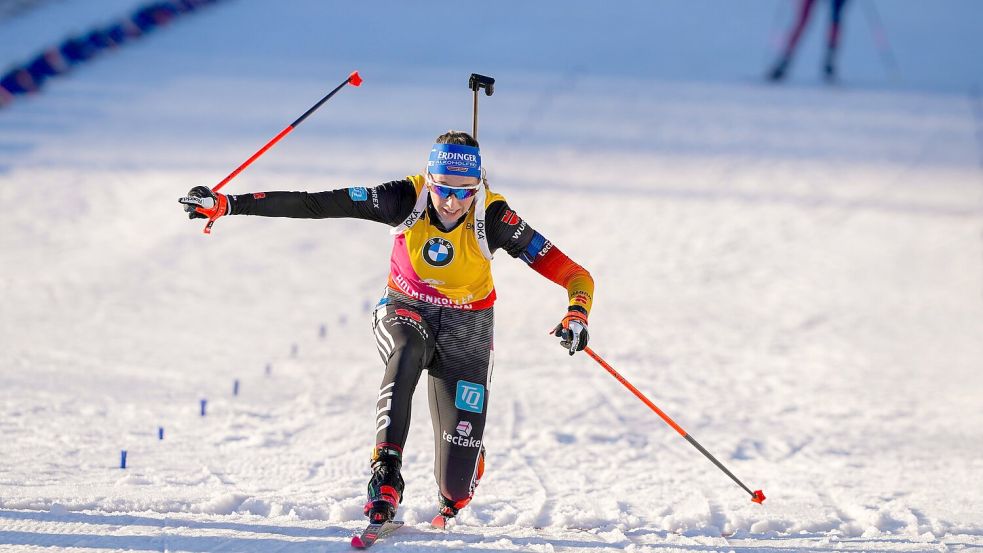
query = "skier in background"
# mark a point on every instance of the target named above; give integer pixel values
(780, 68)
(436, 312)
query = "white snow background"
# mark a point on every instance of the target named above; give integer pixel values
(793, 272)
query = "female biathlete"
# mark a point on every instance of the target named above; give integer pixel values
(437, 312)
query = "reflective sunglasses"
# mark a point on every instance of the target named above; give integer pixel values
(444, 192)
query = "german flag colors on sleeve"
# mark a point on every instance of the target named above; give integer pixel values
(553, 264)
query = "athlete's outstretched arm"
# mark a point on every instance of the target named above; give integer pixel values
(388, 203)
(508, 231)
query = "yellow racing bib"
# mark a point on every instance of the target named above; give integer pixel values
(450, 269)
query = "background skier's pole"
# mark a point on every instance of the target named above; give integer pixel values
(756, 496)
(879, 35)
(354, 79)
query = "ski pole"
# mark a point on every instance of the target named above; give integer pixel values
(756, 496)
(354, 79)
(879, 35)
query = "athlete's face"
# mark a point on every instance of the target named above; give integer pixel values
(450, 208)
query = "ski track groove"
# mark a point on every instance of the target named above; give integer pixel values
(514, 446)
(845, 519)
(544, 515)
(715, 513)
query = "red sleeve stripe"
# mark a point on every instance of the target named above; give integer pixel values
(559, 268)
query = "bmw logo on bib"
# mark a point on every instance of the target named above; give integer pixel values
(438, 252)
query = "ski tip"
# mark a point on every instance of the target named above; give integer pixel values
(354, 79)
(439, 522)
(374, 532)
(758, 497)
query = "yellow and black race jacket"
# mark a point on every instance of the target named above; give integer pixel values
(444, 266)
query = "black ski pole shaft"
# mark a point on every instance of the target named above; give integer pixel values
(354, 79)
(757, 496)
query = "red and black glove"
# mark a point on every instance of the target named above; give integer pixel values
(572, 330)
(202, 203)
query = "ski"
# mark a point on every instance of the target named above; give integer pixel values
(375, 531)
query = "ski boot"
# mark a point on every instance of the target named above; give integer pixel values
(829, 68)
(778, 71)
(449, 508)
(385, 489)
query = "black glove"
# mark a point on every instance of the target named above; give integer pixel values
(202, 203)
(572, 330)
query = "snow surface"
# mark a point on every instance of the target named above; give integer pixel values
(794, 273)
